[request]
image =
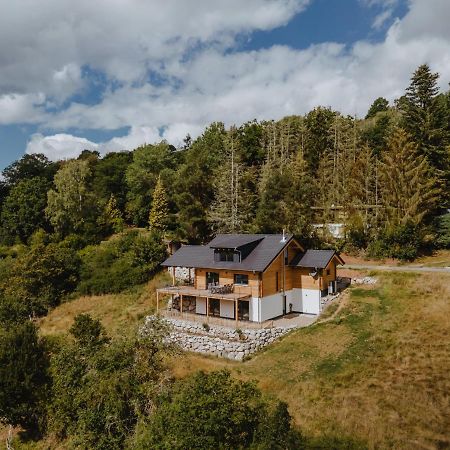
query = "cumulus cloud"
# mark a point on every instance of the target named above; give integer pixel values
(187, 46)
(59, 146)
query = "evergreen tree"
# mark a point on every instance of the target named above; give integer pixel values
(112, 215)
(425, 119)
(409, 188)
(159, 213)
(228, 211)
(300, 197)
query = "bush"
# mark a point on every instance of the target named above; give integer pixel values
(402, 242)
(24, 377)
(36, 281)
(211, 411)
(120, 263)
(101, 386)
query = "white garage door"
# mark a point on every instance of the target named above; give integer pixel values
(310, 301)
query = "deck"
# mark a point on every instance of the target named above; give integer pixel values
(206, 293)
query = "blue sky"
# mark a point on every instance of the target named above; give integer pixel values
(113, 76)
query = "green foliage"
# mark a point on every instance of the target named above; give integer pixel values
(29, 166)
(141, 178)
(100, 390)
(409, 188)
(425, 117)
(214, 411)
(401, 241)
(71, 205)
(159, 214)
(443, 231)
(120, 263)
(37, 280)
(109, 177)
(88, 332)
(379, 105)
(111, 219)
(23, 209)
(195, 190)
(24, 377)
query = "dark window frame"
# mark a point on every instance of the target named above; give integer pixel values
(241, 275)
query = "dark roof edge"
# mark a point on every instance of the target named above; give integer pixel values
(276, 256)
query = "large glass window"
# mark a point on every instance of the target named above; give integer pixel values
(212, 278)
(240, 278)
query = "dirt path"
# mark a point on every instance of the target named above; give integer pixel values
(398, 268)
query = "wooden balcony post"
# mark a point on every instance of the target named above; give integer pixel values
(173, 275)
(207, 309)
(236, 311)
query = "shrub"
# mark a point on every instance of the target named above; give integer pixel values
(24, 377)
(120, 263)
(37, 280)
(402, 242)
(211, 411)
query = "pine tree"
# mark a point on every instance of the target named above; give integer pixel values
(299, 197)
(409, 189)
(227, 211)
(424, 117)
(159, 213)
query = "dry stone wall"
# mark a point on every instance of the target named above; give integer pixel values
(221, 341)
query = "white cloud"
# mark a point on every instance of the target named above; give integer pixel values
(59, 146)
(212, 84)
(21, 107)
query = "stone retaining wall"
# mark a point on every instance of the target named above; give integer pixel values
(222, 341)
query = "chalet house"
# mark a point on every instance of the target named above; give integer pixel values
(252, 277)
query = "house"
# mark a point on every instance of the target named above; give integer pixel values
(252, 277)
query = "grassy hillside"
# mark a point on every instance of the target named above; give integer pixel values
(378, 371)
(375, 372)
(119, 313)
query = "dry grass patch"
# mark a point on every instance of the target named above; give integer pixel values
(119, 313)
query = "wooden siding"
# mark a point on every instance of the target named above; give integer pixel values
(227, 277)
(265, 284)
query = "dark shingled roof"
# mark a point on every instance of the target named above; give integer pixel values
(234, 240)
(202, 256)
(314, 258)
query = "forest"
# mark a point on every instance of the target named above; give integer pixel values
(99, 224)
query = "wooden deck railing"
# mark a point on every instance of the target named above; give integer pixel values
(213, 320)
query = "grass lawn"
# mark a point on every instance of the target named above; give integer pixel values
(377, 373)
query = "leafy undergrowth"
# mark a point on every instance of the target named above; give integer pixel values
(377, 373)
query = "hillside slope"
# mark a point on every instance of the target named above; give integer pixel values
(375, 374)
(378, 372)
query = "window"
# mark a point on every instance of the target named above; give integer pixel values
(240, 278)
(277, 284)
(226, 256)
(328, 271)
(212, 278)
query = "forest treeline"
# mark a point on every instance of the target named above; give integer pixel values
(386, 178)
(95, 224)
